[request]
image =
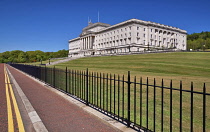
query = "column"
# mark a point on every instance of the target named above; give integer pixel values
(82, 43)
(85, 43)
(88, 40)
(91, 42)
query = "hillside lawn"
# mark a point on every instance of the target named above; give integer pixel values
(185, 66)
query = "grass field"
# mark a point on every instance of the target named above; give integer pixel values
(43, 62)
(185, 66)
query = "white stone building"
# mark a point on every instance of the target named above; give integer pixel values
(130, 36)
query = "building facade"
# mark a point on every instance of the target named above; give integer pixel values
(130, 36)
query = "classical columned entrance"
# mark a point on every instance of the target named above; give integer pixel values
(87, 42)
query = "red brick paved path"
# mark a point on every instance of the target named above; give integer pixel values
(56, 112)
(3, 101)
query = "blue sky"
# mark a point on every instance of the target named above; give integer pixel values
(47, 25)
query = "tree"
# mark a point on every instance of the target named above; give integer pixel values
(22, 57)
(197, 41)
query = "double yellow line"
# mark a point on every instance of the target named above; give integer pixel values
(10, 94)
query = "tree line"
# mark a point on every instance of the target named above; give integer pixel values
(18, 56)
(198, 41)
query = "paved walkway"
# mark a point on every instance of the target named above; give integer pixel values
(56, 112)
(3, 103)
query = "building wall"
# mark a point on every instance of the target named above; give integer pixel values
(74, 46)
(130, 36)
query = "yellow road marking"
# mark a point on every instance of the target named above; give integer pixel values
(9, 108)
(17, 112)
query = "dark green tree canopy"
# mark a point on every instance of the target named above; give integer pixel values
(198, 41)
(18, 56)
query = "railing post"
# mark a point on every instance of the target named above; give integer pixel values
(191, 113)
(87, 102)
(129, 83)
(204, 107)
(54, 77)
(45, 74)
(66, 79)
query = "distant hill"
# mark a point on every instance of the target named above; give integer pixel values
(198, 41)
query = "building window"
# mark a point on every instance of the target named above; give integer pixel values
(137, 34)
(130, 33)
(144, 29)
(144, 35)
(151, 30)
(137, 28)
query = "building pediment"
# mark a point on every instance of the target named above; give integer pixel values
(93, 28)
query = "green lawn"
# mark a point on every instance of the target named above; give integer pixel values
(43, 62)
(185, 66)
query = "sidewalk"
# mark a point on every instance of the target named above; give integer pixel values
(59, 114)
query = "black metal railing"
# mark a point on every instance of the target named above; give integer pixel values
(134, 101)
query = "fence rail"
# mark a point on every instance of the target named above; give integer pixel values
(137, 103)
